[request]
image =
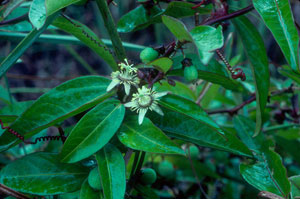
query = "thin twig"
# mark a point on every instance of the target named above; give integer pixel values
(251, 99)
(8, 191)
(203, 92)
(229, 16)
(15, 20)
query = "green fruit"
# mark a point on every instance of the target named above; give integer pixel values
(148, 55)
(148, 176)
(194, 152)
(166, 169)
(190, 73)
(94, 179)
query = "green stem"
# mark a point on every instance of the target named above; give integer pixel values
(112, 30)
(81, 60)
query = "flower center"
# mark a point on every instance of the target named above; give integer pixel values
(125, 77)
(145, 101)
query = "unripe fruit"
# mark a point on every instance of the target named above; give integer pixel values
(94, 179)
(166, 169)
(148, 176)
(194, 152)
(148, 55)
(190, 73)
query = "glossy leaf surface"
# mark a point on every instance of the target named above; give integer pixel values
(111, 166)
(93, 131)
(278, 17)
(295, 184)
(86, 192)
(146, 137)
(183, 119)
(43, 174)
(139, 17)
(60, 103)
(177, 28)
(53, 6)
(207, 39)
(256, 52)
(268, 174)
(37, 13)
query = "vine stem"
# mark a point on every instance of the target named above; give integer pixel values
(229, 16)
(112, 30)
(8, 191)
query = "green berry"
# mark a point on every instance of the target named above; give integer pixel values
(148, 55)
(94, 179)
(165, 169)
(190, 73)
(148, 176)
(194, 152)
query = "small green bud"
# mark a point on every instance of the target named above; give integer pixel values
(94, 179)
(194, 152)
(190, 73)
(166, 169)
(148, 55)
(148, 176)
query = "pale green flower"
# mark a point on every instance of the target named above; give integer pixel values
(126, 76)
(128, 67)
(143, 100)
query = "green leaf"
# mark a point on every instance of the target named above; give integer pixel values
(86, 192)
(43, 174)
(37, 13)
(146, 192)
(53, 6)
(88, 37)
(215, 78)
(177, 28)
(23, 46)
(146, 137)
(9, 7)
(93, 131)
(180, 89)
(290, 74)
(185, 120)
(268, 174)
(16, 108)
(140, 18)
(111, 167)
(207, 39)
(60, 103)
(295, 182)
(278, 17)
(256, 52)
(162, 64)
(245, 129)
(4, 95)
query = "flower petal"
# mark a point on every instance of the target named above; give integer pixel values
(157, 109)
(127, 88)
(142, 114)
(112, 84)
(160, 94)
(130, 104)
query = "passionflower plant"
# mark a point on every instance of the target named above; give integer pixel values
(145, 99)
(127, 75)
